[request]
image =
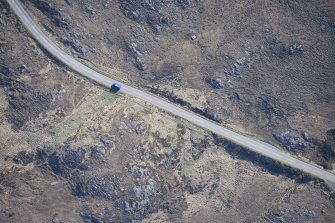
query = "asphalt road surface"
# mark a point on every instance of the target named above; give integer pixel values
(260, 147)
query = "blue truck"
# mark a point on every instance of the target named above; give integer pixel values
(115, 87)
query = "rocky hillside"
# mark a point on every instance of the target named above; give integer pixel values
(73, 152)
(265, 69)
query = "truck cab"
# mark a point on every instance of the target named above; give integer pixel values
(115, 87)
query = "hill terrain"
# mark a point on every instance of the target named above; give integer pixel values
(74, 152)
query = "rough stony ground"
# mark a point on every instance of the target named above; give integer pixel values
(264, 68)
(73, 152)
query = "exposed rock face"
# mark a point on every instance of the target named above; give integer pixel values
(57, 95)
(269, 105)
(90, 218)
(98, 152)
(331, 139)
(291, 140)
(216, 83)
(74, 159)
(25, 103)
(306, 144)
(53, 13)
(23, 158)
(146, 11)
(75, 45)
(139, 171)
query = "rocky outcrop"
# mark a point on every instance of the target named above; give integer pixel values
(291, 140)
(49, 10)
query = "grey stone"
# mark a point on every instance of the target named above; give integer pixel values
(241, 61)
(98, 152)
(157, 29)
(63, 24)
(331, 24)
(139, 171)
(57, 95)
(87, 217)
(216, 83)
(106, 141)
(74, 159)
(140, 64)
(146, 191)
(123, 126)
(306, 136)
(56, 220)
(22, 68)
(184, 3)
(132, 49)
(83, 51)
(95, 219)
(138, 126)
(69, 2)
(52, 12)
(296, 48)
(90, 10)
(23, 158)
(164, 20)
(74, 44)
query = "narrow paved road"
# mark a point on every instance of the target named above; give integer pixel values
(248, 142)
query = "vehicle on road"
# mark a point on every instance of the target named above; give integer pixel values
(115, 87)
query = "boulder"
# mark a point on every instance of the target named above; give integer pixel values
(296, 48)
(216, 83)
(140, 64)
(22, 68)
